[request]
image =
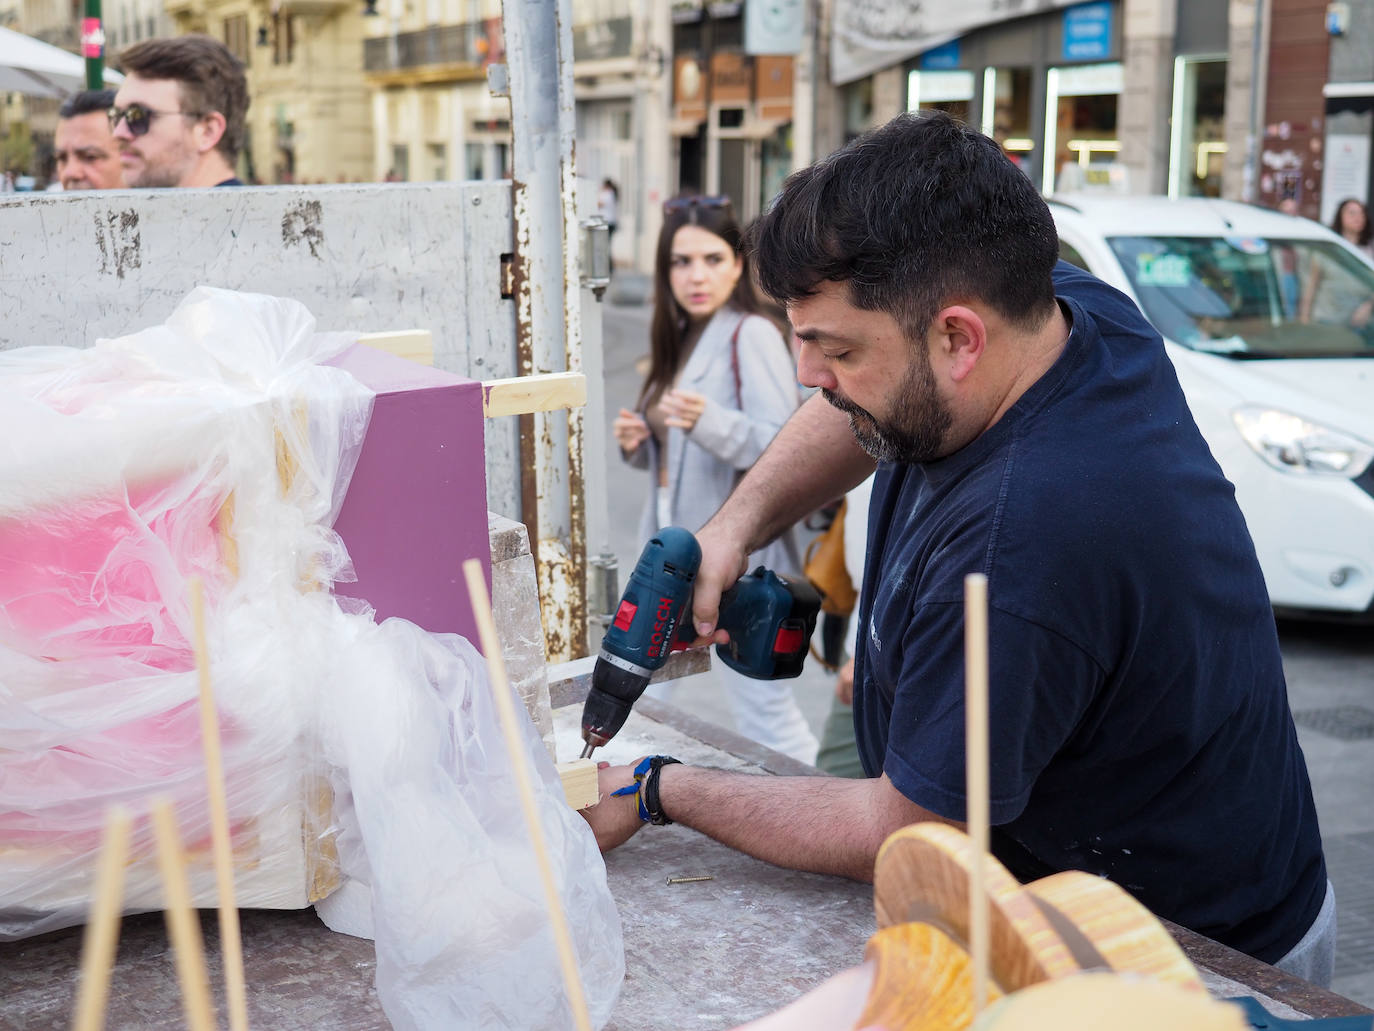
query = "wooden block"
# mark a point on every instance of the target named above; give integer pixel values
(579, 782)
(545, 392)
(415, 344)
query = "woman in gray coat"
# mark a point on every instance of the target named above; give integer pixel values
(721, 383)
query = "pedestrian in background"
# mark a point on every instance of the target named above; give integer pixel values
(608, 205)
(721, 382)
(1332, 295)
(87, 154)
(180, 111)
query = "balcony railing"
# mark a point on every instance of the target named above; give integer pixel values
(438, 44)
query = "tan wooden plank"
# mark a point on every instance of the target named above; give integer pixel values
(544, 392)
(579, 782)
(415, 344)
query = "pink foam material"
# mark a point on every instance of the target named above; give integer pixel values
(417, 503)
(83, 583)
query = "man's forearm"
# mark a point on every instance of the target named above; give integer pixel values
(831, 825)
(813, 459)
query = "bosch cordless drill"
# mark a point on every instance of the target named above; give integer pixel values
(770, 619)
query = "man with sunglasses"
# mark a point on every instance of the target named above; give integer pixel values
(87, 155)
(179, 114)
(1026, 424)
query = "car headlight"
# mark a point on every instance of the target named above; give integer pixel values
(1294, 445)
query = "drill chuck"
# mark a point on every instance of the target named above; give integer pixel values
(608, 704)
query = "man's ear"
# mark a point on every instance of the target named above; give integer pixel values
(209, 131)
(961, 338)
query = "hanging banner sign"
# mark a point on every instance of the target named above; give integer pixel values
(92, 38)
(773, 27)
(873, 34)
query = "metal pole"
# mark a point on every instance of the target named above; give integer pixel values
(93, 46)
(539, 54)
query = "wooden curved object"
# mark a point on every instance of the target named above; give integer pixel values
(1093, 1002)
(1124, 932)
(922, 875)
(923, 981)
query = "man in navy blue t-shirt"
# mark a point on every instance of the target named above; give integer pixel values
(1027, 425)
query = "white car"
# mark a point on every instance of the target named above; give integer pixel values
(1267, 319)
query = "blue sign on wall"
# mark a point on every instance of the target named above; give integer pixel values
(941, 57)
(1088, 32)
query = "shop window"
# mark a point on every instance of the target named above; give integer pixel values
(777, 164)
(475, 154)
(857, 98)
(1081, 139)
(438, 162)
(1007, 113)
(947, 91)
(1197, 143)
(400, 163)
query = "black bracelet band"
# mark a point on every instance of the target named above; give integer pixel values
(651, 802)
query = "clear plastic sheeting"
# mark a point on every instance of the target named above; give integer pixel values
(183, 450)
(218, 446)
(459, 911)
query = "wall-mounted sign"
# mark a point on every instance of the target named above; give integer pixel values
(731, 82)
(773, 81)
(1090, 80)
(1088, 32)
(686, 11)
(773, 26)
(941, 58)
(689, 90)
(599, 40)
(1345, 172)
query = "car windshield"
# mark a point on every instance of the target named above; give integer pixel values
(1247, 297)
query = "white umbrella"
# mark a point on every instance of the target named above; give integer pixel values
(29, 65)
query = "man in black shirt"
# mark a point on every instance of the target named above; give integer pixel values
(1028, 425)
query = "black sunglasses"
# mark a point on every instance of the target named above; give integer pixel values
(688, 203)
(139, 119)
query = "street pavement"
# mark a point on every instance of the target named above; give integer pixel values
(1330, 672)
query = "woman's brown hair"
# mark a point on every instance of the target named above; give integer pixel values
(669, 326)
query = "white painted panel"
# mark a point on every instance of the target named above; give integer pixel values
(370, 257)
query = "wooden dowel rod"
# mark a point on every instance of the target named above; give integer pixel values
(231, 940)
(102, 926)
(976, 773)
(182, 924)
(505, 707)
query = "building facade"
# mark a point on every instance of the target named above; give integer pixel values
(1129, 96)
(742, 115)
(433, 116)
(308, 117)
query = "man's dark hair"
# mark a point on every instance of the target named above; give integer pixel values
(211, 79)
(85, 102)
(913, 216)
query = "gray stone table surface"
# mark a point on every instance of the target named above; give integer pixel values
(701, 954)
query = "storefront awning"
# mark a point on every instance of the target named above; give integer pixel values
(869, 35)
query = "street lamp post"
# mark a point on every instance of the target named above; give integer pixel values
(93, 46)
